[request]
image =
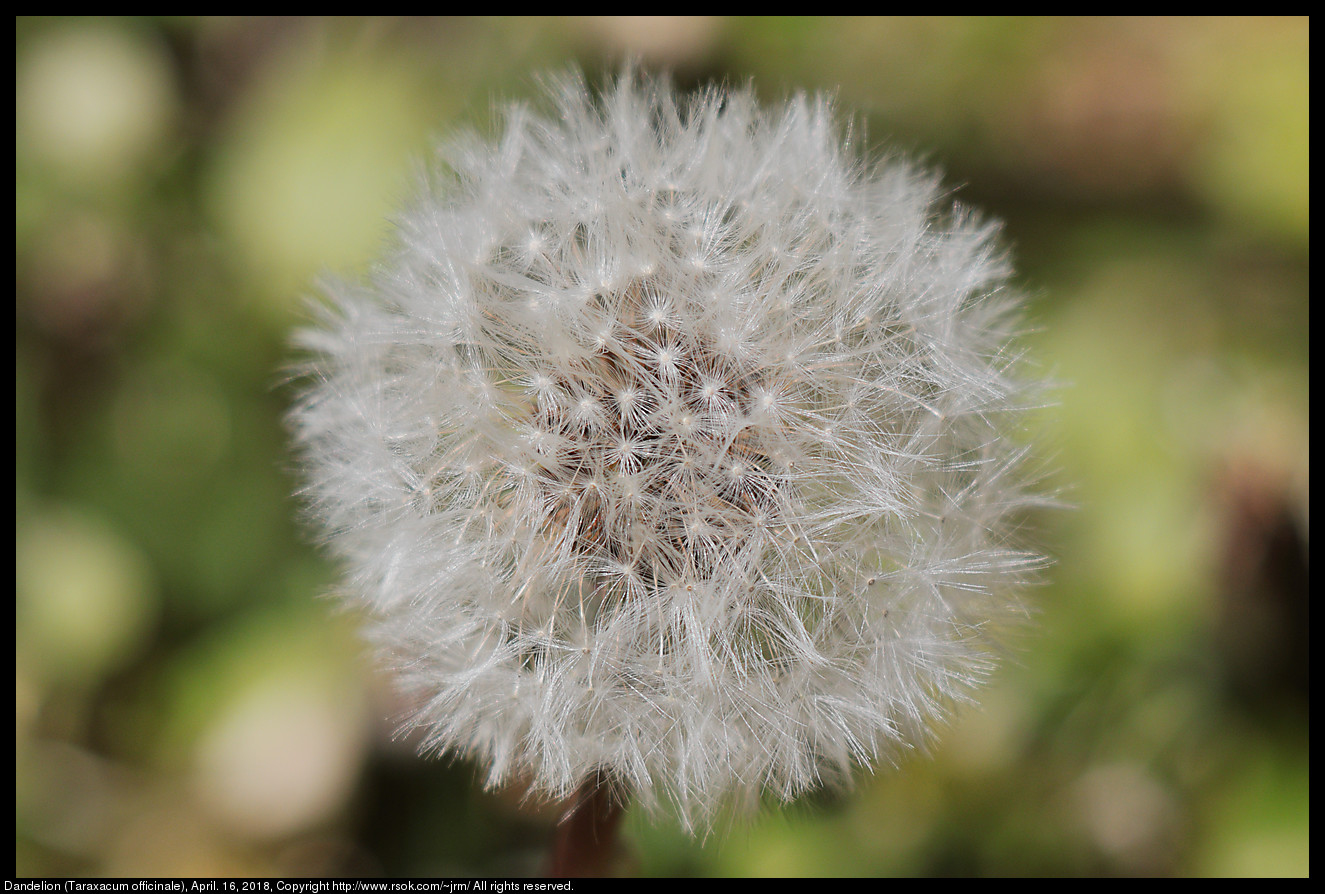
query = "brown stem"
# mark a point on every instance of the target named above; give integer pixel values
(586, 838)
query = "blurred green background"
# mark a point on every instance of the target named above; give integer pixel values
(187, 702)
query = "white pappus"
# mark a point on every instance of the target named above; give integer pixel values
(675, 441)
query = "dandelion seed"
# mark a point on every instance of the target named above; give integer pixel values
(680, 375)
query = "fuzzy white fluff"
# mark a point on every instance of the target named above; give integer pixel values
(671, 440)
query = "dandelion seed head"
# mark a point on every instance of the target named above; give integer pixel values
(714, 420)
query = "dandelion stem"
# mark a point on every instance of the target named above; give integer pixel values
(586, 838)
